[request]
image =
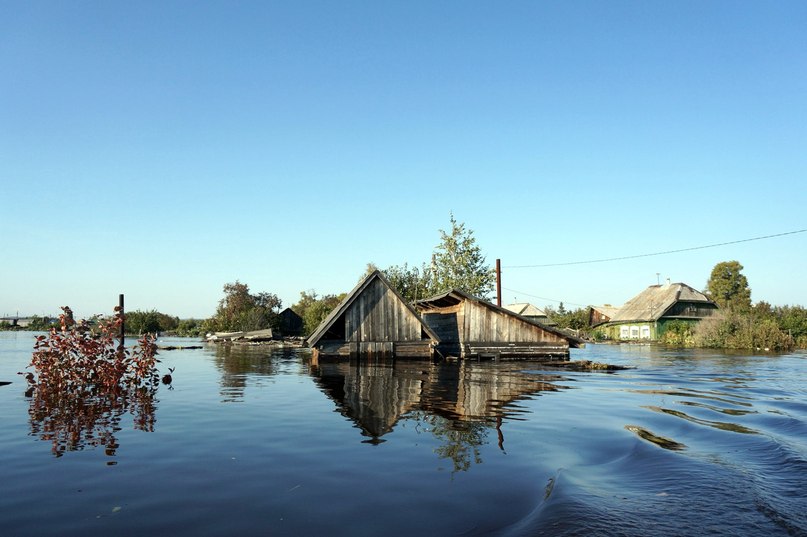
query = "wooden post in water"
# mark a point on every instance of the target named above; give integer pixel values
(122, 324)
(499, 282)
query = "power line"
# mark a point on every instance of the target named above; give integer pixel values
(543, 297)
(655, 253)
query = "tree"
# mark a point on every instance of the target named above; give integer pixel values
(42, 324)
(241, 310)
(728, 287)
(412, 283)
(458, 263)
(143, 322)
(314, 309)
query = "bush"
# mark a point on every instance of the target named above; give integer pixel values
(733, 330)
(85, 383)
(678, 334)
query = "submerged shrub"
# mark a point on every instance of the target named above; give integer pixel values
(733, 330)
(85, 382)
(678, 334)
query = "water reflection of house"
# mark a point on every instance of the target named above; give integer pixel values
(375, 395)
(645, 316)
(470, 390)
(373, 318)
(471, 327)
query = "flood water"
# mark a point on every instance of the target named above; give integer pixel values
(252, 442)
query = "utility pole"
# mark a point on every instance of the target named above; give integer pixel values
(499, 282)
(122, 327)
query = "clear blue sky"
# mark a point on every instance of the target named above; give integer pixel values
(162, 149)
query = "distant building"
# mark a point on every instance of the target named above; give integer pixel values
(598, 315)
(291, 324)
(644, 316)
(525, 309)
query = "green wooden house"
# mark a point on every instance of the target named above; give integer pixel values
(644, 317)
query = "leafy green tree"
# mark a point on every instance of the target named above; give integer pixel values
(412, 283)
(42, 324)
(793, 320)
(143, 322)
(728, 286)
(189, 328)
(241, 310)
(149, 322)
(314, 309)
(568, 319)
(458, 263)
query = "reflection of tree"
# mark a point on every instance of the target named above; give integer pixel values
(72, 421)
(460, 440)
(237, 363)
(86, 382)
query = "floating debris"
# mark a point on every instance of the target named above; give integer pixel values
(660, 441)
(585, 365)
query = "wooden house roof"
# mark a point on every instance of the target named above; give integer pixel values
(608, 311)
(526, 309)
(652, 303)
(343, 306)
(455, 296)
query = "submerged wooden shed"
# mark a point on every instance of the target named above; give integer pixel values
(373, 318)
(471, 327)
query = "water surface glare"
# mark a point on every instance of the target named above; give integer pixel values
(253, 442)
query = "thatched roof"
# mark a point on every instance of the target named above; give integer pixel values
(652, 303)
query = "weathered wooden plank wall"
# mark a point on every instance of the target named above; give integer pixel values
(485, 324)
(378, 315)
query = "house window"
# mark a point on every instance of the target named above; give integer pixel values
(645, 332)
(634, 332)
(623, 332)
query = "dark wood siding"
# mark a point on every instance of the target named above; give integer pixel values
(691, 310)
